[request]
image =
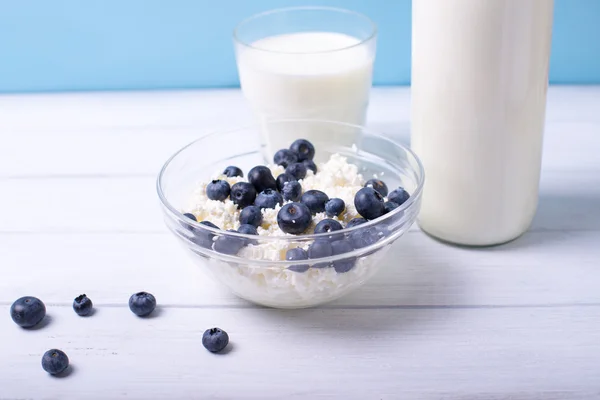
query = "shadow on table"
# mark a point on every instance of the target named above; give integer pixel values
(557, 216)
(411, 289)
(66, 373)
(567, 212)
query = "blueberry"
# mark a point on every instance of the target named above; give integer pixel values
(251, 215)
(248, 229)
(319, 249)
(294, 218)
(398, 196)
(296, 254)
(328, 225)
(186, 224)
(243, 194)
(218, 190)
(355, 222)
(232, 171)
(364, 237)
(285, 157)
(190, 216)
(378, 185)
(315, 201)
(229, 244)
(82, 305)
(269, 198)
(346, 264)
(369, 203)
(142, 303)
(28, 311)
(282, 179)
(215, 340)
(292, 191)
(262, 178)
(304, 149)
(55, 361)
(389, 206)
(202, 237)
(297, 170)
(310, 164)
(335, 207)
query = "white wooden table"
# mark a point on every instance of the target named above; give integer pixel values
(79, 214)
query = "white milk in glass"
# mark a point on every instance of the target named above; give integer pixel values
(307, 75)
(479, 81)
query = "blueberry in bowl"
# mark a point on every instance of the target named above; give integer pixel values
(290, 236)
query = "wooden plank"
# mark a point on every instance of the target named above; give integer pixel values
(569, 201)
(542, 268)
(453, 354)
(133, 133)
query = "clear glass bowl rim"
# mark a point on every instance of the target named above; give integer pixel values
(314, 236)
(237, 39)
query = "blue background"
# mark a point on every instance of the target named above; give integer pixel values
(56, 45)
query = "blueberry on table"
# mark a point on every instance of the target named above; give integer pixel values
(232, 171)
(142, 303)
(229, 244)
(315, 201)
(251, 215)
(282, 179)
(346, 264)
(310, 164)
(27, 311)
(82, 305)
(55, 361)
(285, 157)
(297, 254)
(319, 249)
(269, 198)
(243, 194)
(261, 178)
(297, 170)
(335, 207)
(292, 191)
(369, 203)
(398, 196)
(190, 216)
(218, 190)
(304, 149)
(355, 222)
(328, 225)
(204, 238)
(215, 340)
(294, 218)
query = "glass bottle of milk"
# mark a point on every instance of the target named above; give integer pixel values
(479, 81)
(309, 63)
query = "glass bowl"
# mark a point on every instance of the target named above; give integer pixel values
(259, 272)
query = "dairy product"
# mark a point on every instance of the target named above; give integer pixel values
(336, 177)
(314, 75)
(277, 286)
(282, 288)
(479, 79)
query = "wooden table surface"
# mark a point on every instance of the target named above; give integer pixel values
(79, 214)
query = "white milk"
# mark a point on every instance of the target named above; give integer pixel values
(309, 75)
(479, 80)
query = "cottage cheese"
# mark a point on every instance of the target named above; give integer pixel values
(335, 177)
(277, 286)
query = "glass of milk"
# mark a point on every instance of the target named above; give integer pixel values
(306, 63)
